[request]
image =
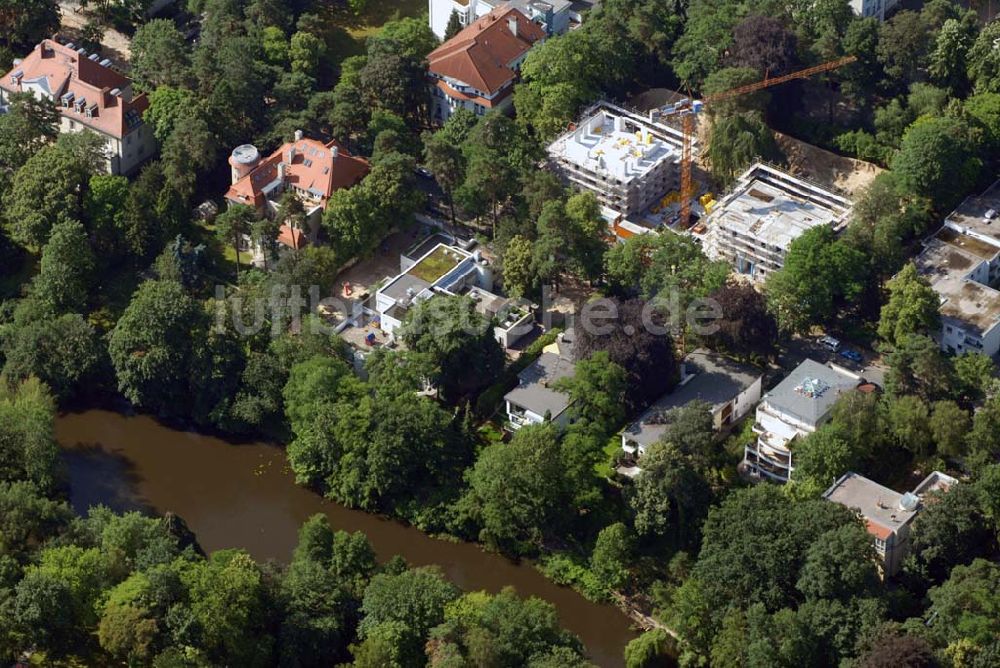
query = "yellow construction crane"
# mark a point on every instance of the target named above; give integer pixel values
(687, 109)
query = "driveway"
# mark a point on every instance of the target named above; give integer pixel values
(116, 46)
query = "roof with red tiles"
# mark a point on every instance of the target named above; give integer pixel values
(75, 83)
(316, 168)
(292, 237)
(481, 54)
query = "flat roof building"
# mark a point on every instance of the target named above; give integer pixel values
(887, 513)
(625, 159)
(450, 270)
(796, 407)
(753, 226)
(962, 262)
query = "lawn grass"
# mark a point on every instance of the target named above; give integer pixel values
(435, 265)
(605, 468)
(348, 32)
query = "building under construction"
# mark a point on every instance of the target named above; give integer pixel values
(625, 159)
(753, 226)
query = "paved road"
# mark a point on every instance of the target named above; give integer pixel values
(799, 349)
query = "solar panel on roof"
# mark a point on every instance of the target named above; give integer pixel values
(307, 162)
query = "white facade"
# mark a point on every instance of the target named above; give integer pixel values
(625, 159)
(797, 407)
(753, 226)
(124, 155)
(555, 16)
(535, 399)
(962, 263)
(728, 388)
(444, 270)
(874, 8)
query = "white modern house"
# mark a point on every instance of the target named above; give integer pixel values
(888, 514)
(766, 210)
(90, 95)
(729, 388)
(553, 16)
(535, 399)
(796, 407)
(436, 267)
(962, 262)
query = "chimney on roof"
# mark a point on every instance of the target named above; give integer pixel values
(512, 25)
(290, 155)
(298, 135)
(334, 152)
(281, 171)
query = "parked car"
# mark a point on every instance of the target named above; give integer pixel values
(852, 355)
(830, 343)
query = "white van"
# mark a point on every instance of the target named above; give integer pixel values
(830, 342)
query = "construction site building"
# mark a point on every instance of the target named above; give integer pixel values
(753, 226)
(962, 262)
(625, 159)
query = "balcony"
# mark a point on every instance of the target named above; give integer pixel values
(518, 419)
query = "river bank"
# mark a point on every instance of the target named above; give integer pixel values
(244, 495)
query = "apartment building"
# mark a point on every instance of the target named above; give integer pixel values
(553, 16)
(753, 226)
(477, 68)
(625, 159)
(962, 262)
(729, 388)
(90, 95)
(796, 407)
(311, 169)
(888, 515)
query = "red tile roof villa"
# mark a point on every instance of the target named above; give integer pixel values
(476, 68)
(89, 95)
(310, 168)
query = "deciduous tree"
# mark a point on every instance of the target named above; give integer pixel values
(151, 347)
(912, 307)
(458, 340)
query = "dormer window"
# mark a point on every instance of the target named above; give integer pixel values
(16, 77)
(79, 105)
(67, 99)
(92, 111)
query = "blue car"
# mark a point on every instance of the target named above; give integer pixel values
(852, 355)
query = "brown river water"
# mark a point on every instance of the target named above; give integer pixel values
(244, 496)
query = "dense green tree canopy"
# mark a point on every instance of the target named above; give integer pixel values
(458, 340)
(151, 346)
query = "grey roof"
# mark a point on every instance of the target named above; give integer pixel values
(876, 503)
(535, 391)
(398, 287)
(427, 244)
(717, 380)
(796, 395)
